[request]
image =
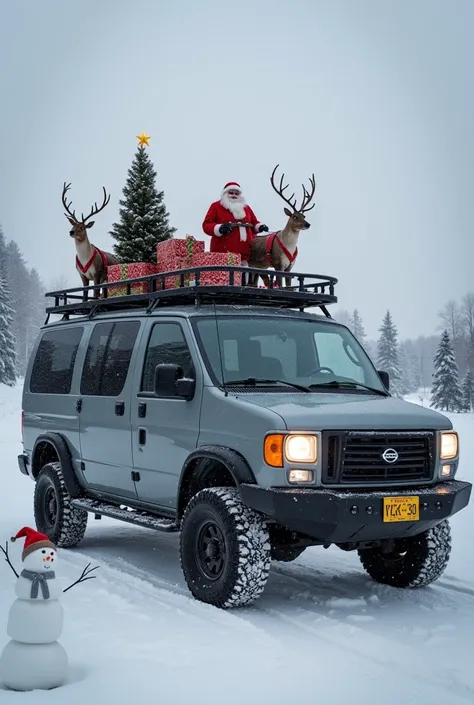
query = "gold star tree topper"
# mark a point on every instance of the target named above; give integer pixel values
(143, 140)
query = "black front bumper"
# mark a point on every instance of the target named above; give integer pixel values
(345, 516)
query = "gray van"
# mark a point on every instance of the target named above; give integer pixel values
(233, 415)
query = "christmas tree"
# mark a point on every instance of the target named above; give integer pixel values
(387, 354)
(468, 392)
(445, 392)
(143, 216)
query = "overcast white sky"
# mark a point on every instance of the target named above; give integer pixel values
(375, 96)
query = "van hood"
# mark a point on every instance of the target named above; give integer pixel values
(332, 411)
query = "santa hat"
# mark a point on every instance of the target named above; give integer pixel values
(33, 541)
(231, 186)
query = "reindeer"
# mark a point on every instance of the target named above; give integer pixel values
(91, 263)
(279, 250)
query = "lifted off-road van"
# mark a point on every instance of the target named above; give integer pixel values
(236, 417)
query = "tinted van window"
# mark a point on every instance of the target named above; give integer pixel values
(53, 366)
(166, 344)
(108, 358)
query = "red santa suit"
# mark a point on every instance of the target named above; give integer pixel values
(239, 239)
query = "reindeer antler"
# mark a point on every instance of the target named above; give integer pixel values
(282, 188)
(95, 209)
(68, 213)
(308, 197)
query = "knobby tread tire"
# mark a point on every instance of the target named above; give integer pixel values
(424, 562)
(71, 523)
(248, 549)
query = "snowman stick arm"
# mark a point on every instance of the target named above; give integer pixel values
(7, 558)
(83, 577)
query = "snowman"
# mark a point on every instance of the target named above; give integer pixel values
(35, 620)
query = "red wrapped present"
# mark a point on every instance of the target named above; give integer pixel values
(131, 270)
(177, 253)
(217, 278)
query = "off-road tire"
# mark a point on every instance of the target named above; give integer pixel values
(64, 524)
(418, 560)
(286, 554)
(241, 534)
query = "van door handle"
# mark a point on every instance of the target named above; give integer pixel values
(141, 436)
(119, 408)
(78, 405)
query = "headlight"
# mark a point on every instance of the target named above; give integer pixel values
(301, 449)
(449, 445)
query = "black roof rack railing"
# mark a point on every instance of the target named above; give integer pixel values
(306, 290)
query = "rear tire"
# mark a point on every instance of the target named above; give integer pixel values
(224, 549)
(414, 562)
(55, 516)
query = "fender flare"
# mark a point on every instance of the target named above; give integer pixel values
(231, 459)
(61, 448)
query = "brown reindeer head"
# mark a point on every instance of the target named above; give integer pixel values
(296, 218)
(79, 227)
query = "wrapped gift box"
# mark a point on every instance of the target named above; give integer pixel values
(217, 278)
(177, 253)
(132, 270)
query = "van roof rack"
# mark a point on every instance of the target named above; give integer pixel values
(310, 290)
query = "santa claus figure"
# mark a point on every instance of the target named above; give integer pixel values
(231, 223)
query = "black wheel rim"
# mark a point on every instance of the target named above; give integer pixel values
(50, 507)
(397, 553)
(210, 550)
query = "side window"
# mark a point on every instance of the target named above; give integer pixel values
(166, 344)
(108, 358)
(54, 361)
(331, 353)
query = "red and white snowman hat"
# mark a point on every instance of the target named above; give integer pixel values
(231, 186)
(34, 540)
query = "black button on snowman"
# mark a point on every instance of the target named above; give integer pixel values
(35, 620)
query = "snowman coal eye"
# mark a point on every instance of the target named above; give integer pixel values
(52, 553)
(43, 551)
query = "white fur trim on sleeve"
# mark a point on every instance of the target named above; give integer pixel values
(256, 227)
(216, 230)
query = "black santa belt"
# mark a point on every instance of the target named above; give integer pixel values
(38, 580)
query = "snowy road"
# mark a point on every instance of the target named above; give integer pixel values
(323, 631)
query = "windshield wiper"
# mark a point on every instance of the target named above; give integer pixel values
(253, 381)
(351, 385)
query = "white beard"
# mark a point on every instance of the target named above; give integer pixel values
(235, 206)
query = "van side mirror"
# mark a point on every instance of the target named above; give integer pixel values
(169, 382)
(385, 377)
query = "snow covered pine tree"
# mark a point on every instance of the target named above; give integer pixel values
(357, 327)
(387, 354)
(7, 338)
(143, 217)
(446, 392)
(468, 392)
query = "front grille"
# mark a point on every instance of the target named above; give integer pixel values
(356, 457)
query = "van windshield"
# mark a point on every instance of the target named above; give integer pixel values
(311, 354)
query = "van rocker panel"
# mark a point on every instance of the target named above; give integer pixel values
(332, 516)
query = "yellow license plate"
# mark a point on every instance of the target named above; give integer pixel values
(401, 509)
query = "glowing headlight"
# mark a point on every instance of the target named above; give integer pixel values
(301, 449)
(449, 445)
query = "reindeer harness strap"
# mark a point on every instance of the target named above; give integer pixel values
(95, 252)
(270, 240)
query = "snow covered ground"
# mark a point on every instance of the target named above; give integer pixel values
(322, 632)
